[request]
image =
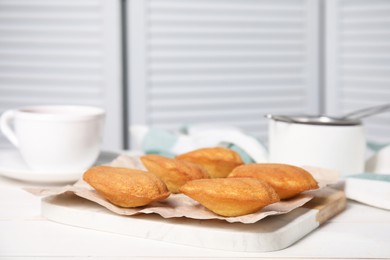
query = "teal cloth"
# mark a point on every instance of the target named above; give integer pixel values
(371, 176)
(244, 156)
(161, 142)
(376, 146)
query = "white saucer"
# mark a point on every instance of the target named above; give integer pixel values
(13, 166)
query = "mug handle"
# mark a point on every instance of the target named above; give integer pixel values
(5, 125)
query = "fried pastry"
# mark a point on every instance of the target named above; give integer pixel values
(218, 161)
(287, 180)
(231, 197)
(126, 187)
(174, 173)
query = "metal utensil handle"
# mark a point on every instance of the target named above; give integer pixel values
(365, 112)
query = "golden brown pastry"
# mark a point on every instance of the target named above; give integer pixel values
(218, 161)
(287, 180)
(174, 173)
(231, 197)
(126, 187)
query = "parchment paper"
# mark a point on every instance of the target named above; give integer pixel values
(179, 205)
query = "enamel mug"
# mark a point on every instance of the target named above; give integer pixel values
(321, 141)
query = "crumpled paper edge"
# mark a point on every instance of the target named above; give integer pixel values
(179, 205)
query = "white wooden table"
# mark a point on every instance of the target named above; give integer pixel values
(358, 232)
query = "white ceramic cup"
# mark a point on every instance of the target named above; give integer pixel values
(336, 145)
(55, 138)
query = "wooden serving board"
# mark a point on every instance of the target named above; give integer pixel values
(269, 234)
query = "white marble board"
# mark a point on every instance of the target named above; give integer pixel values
(270, 234)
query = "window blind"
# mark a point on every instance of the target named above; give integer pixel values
(222, 61)
(62, 52)
(358, 65)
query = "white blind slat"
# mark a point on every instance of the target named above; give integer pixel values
(222, 61)
(360, 76)
(62, 52)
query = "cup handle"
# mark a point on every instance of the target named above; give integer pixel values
(5, 125)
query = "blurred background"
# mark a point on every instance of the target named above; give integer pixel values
(169, 63)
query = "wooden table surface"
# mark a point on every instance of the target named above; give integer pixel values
(359, 231)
